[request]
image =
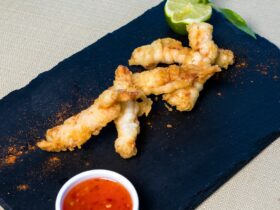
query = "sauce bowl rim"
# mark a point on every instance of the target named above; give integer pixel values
(97, 173)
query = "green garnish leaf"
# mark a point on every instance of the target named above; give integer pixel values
(236, 20)
(203, 1)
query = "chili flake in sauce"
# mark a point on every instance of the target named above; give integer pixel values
(97, 194)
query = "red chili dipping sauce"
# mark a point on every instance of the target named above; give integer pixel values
(97, 194)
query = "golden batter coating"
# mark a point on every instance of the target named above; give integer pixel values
(165, 50)
(76, 130)
(168, 79)
(184, 99)
(128, 126)
(224, 58)
(200, 40)
(169, 51)
(127, 123)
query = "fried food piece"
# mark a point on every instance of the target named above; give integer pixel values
(124, 80)
(224, 58)
(167, 50)
(128, 127)
(170, 51)
(184, 99)
(76, 130)
(179, 84)
(163, 80)
(127, 123)
(157, 81)
(200, 40)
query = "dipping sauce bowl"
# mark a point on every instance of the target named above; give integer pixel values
(97, 189)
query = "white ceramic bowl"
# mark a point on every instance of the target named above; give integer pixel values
(98, 173)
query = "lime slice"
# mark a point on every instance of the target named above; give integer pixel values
(179, 13)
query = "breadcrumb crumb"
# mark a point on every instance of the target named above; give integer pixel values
(169, 125)
(22, 187)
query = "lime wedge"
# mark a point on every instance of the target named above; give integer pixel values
(179, 13)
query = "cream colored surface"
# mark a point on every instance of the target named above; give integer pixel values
(36, 35)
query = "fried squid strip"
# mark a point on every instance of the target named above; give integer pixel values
(163, 80)
(76, 130)
(169, 51)
(128, 127)
(184, 99)
(200, 40)
(165, 50)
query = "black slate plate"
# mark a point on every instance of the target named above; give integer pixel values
(235, 118)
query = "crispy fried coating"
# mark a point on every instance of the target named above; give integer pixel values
(76, 130)
(169, 51)
(224, 58)
(165, 50)
(200, 40)
(179, 84)
(166, 79)
(184, 99)
(127, 123)
(128, 127)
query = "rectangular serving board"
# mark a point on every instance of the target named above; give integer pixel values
(237, 116)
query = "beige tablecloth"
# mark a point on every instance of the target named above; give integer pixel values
(36, 35)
